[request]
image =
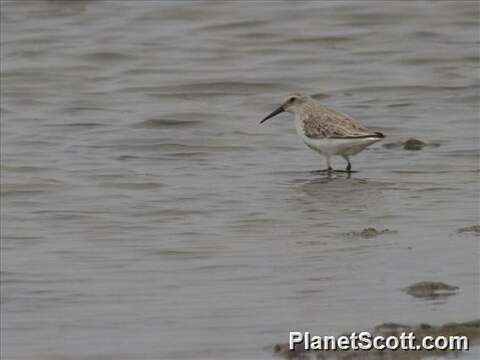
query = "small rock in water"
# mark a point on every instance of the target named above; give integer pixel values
(413, 144)
(430, 289)
(470, 229)
(410, 144)
(369, 233)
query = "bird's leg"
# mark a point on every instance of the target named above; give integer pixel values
(349, 165)
(329, 166)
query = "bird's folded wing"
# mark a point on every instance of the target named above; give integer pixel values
(328, 123)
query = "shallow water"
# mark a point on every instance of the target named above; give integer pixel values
(147, 215)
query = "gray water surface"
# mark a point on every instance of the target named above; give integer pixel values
(147, 215)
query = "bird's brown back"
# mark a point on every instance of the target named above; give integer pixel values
(322, 122)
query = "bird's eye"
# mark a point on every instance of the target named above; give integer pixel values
(291, 100)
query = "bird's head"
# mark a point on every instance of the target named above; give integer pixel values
(292, 104)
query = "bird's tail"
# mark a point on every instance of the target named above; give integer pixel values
(379, 135)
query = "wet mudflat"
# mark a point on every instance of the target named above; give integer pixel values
(147, 215)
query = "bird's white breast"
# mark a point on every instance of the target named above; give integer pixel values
(299, 126)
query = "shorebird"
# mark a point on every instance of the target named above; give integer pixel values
(325, 130)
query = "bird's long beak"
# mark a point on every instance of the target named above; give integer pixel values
(275, 112)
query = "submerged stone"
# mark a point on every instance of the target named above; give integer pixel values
(413, 144)
(470, 229)
(430, 289)
(369, 233)
(410, 144)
